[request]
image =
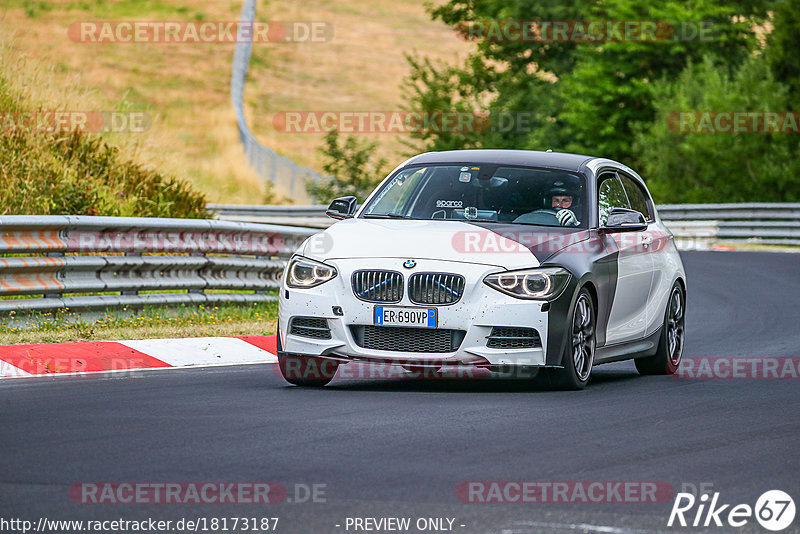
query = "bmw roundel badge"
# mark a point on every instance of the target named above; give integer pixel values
(409, 264)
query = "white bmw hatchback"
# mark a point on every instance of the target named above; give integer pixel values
(497, 259)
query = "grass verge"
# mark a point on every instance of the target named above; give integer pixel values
(65, 326)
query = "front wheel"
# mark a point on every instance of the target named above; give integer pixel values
(667, 358)
(307, 371)
(579, 352)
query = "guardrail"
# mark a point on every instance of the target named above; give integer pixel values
(53, 262)
(305, 216)
(705, 225)
(143, 261)
(695, 226)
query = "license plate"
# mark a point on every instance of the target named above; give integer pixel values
(405, 316)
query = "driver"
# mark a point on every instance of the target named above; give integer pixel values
(561, 202)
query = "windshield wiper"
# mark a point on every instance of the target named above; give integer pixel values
(545, 225)
(386, 216)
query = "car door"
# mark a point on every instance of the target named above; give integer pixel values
(628, 316)
(657, 243)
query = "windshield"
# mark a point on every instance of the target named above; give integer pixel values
(484, 193)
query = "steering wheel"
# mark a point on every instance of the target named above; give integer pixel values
(549, 211)
(546, 217)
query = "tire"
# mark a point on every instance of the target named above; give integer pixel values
(307, 371)
(578, 356)
(668, 355)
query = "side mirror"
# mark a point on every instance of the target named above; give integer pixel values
(624, 220)
(342, 208)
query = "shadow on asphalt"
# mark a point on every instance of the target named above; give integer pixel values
(484, 383)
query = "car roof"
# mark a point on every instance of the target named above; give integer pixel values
(533, 158)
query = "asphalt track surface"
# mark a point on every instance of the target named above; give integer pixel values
(399, 448)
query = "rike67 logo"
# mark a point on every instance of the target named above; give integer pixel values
(774, 510)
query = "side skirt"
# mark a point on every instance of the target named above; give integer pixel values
(639, 348)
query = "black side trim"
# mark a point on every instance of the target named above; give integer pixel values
(638, 348)
(607, 269)
(559, 322)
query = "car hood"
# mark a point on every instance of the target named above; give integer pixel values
(510, 246)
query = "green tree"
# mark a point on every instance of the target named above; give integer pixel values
(783, 48)
(609, 93)
(501, 78)
(352, 168)
(435, 87)
(581, 96)
(718, 167)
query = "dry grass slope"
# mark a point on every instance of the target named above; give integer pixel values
(185, 87)
(50, 173)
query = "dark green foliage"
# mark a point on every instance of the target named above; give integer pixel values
(783, 48)
(352, 167)
(719, 167)
(613, 98)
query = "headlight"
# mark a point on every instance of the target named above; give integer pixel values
(534, 284)
(305, 273)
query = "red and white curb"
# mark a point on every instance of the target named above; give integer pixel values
(49, 359)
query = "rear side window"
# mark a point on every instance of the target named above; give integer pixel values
(610, 195)
(637, 196)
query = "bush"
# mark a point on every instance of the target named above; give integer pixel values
(80, 174)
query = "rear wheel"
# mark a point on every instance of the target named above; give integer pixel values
(670, 345)
(579, 352)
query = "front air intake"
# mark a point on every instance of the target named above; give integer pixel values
(314, 327)
(508, 337)
(406, 339)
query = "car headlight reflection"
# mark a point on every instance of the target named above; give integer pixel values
(535, 284)
(305, 273)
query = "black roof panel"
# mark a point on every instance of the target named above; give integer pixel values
(532, 158)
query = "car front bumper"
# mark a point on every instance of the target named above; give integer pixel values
(480, 309)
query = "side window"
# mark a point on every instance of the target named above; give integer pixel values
(637, 196)
(610, 195)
